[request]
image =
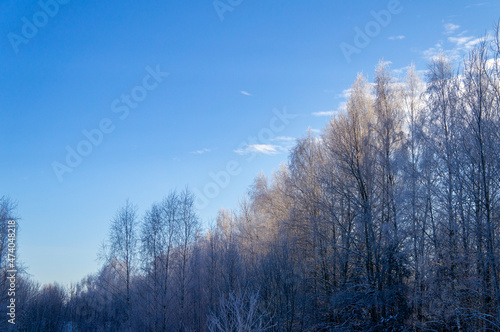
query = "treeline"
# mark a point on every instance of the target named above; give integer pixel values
(387, 221)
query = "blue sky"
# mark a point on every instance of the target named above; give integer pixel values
(229, 74)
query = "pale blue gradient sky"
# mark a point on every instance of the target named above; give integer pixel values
(225, 79)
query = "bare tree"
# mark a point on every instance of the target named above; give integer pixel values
(122, 250)
(239, 312)
(188, 230)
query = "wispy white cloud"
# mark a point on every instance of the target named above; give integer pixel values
(432, 52)
(459, 41)
(396, 37)
(345, 94)
(202, 151)
(245, 93)
(450, 28)
(284, 138)
(455, 46)
(466, 42)
(267, 149)
(327, 113)
(477, 4)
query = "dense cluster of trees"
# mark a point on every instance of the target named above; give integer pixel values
(388, 221)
